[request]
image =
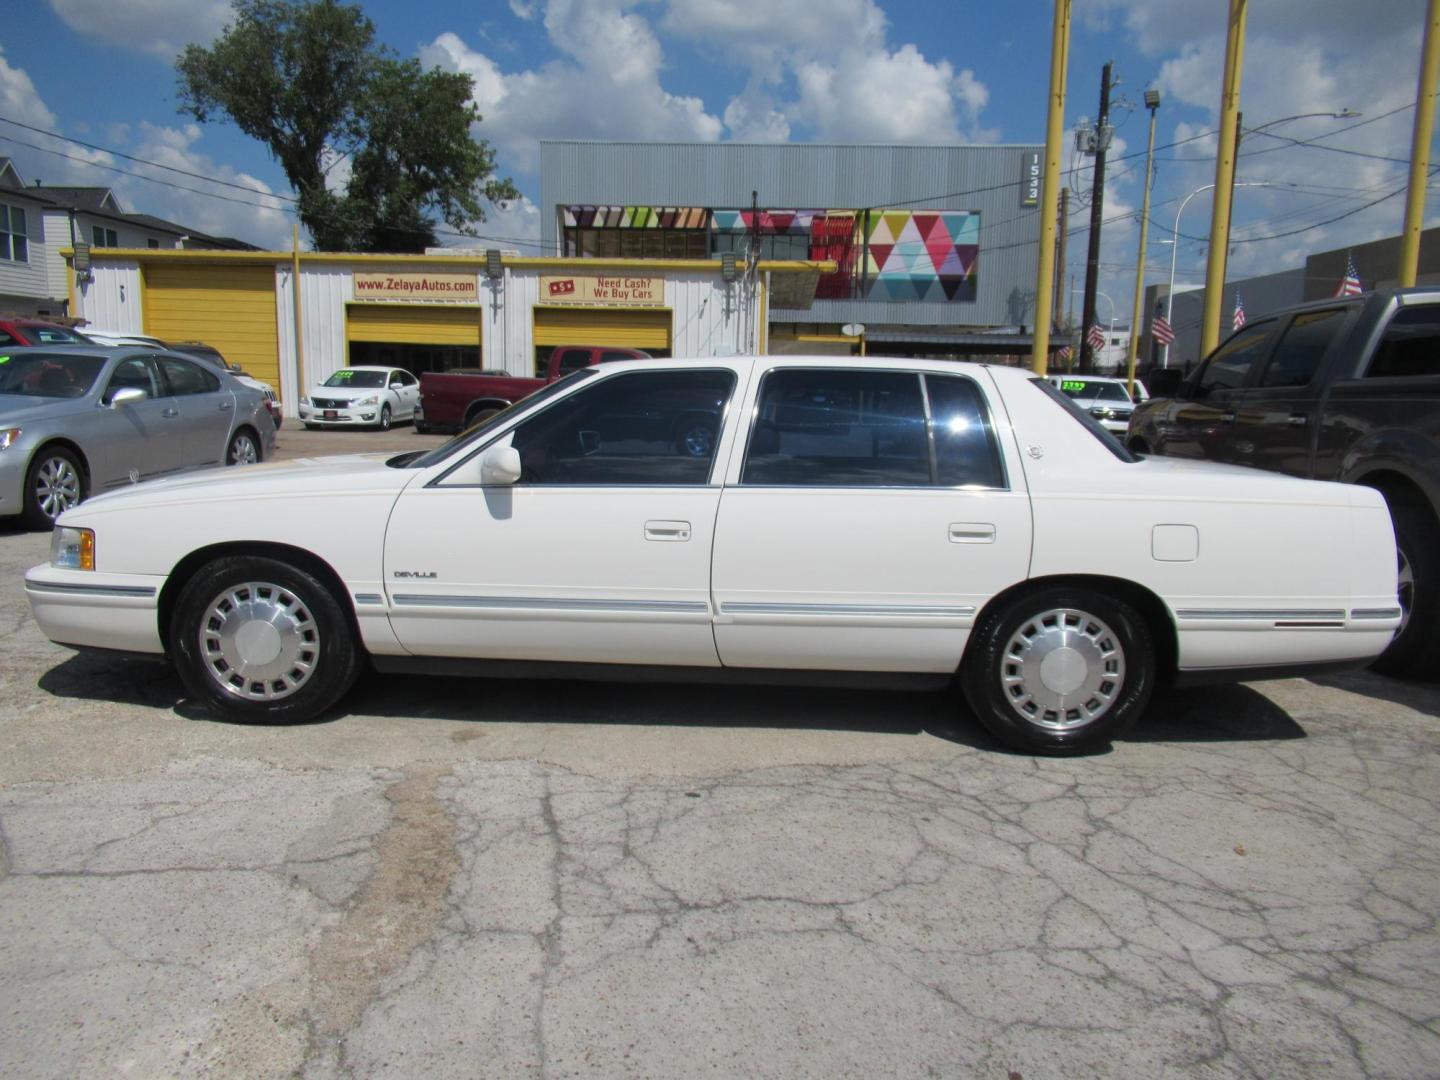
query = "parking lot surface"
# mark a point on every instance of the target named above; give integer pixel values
(459, 878)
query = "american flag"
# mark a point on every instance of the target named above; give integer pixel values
(1064, 352)
(1350, 283)
(1096, 337)
(1239, 319)
(1161, 331)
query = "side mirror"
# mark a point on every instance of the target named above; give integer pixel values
(127, 395)
(500, 465)
(397, 385)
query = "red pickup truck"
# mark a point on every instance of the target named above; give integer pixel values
(455, 400)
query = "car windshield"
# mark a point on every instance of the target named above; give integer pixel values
(48, 375)
(54, 335)
(361, 380)
(1088, 422)
(1088, 390)
(479, 431)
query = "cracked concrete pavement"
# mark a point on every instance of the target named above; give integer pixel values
(536, 879)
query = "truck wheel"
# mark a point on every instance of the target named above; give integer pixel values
(1061, 670)
(1416, 648)
(478, 417)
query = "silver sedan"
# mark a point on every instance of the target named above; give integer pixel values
(78, 421)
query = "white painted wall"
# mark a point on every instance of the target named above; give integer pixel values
(324, 291)
(111, 301)
(57, 237)
(128, 235)
(28, 278)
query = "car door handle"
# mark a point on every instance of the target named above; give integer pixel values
(1227, 418)
(170, 412)
(972, 532)
(1298, 420)
(672, 531)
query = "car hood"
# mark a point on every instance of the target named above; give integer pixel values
(17, 411)
(345, 393)
(349, 474)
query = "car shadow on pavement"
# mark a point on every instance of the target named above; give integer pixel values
(1226, 713)
(1421, 695)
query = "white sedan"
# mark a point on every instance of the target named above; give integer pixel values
(362, 397)
(899, 522)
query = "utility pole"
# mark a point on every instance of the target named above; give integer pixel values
(1152, 102)
(1049, 187)
(1103, 133)
(1060, 253)
(1224, 177)
(1420, 149)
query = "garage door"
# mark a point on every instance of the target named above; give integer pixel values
(229, 307)
(648, 329)
(413, 324)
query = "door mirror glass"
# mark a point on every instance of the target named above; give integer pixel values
(127, 395)
(397, 385)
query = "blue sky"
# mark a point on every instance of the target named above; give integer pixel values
(833, 70)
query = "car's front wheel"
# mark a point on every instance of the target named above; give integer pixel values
(262, 641)
(384, 417)
(1061, 670)
(54, 483)
(244, 449)
(1415, 651)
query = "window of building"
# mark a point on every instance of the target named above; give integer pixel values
(1300, 351)
(1411, 345)
(632, 243)
(152, 243)
(14, 234)
(634, 429)
(100, 236)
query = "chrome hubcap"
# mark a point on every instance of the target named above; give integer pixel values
(697, 441)
(1404, 587)
(259, 641)
(57, 487)
(242, 451)
(1062, 669)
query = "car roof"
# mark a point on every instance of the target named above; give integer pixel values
(70, 348)
(367, 367)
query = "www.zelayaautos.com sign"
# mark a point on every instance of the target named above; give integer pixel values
(416, 286)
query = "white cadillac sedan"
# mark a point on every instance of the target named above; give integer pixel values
(881, 521)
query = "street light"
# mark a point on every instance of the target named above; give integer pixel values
(1175, 248)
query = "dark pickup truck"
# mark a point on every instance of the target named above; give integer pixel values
(1344, 389)
(455, 400)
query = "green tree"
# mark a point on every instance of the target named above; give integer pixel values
(307, 78)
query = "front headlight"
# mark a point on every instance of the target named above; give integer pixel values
(305, 401)
(72, 549)
(373, 399)
(9, 436)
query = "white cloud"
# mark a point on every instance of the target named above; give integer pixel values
(161, 27)
(511, 226)
(37, 156)
(606, 87)
(849, 83)
(522, 10)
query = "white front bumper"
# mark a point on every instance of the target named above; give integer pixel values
(98, 611)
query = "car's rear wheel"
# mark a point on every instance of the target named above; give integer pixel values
(476, 417)
(259, 640)
(1060, 670)
(54, 483)
(244, 449)
(1415, 651)
(385, 418)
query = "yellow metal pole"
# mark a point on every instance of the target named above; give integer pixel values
(1224, 178)
(295, 287)
(1135, 319)
(1420, 149)
(1050, 186)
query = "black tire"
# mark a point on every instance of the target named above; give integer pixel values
(1415, 652)
(316, 634)
(384, 418)
(422, 428)
(1015, 714)
(478, 417)
(244, 448)
(54, 482)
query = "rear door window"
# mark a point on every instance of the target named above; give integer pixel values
(185, 378)
(1299, 352)
(1411, 345)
